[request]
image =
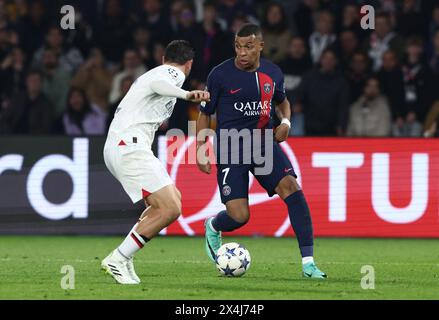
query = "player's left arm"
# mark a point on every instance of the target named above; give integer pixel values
(283, 111)
(283, 108)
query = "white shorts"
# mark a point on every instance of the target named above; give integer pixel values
(129, 158)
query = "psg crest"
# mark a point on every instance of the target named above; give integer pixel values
(227, 190)
(267, 87)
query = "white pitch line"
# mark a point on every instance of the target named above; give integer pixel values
(207, 262)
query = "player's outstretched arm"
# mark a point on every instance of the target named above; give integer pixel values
(283, 111)
(203, 162)
(167, 89)
(198, 96)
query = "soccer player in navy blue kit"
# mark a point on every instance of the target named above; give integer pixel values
(245, 92)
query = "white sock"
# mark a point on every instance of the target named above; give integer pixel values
(134, 227)
(132, 243)
(306, 260)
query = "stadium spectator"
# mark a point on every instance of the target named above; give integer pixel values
(124, 87)
(4, 23)
(392, 85)
(153, 18)
(5, 43)
(174, 14)
(193, 32)
(28, 113)
(433, 25)
(326, 110)
(370, 115)
(17, 10)
(350, 21)
(95, 79)
(389, 7)
(335, 7)
(276, 33)
(304, 17)
(418, 80)
(81, 117)
(237, 22)
(56, 80)
(143, 45)
(68, 58)
(431, 126)
(217, 44)
(33, 26)
(29, 28)
(112, 32)
(295, 65)
(132, 66)
(157, 53)
(228, 9)
(382, 40)
(410, 20)
(357, 74)
(346, 46)
(323, 35)
(12, 72)
(81, 37)
(409, 127)
(435, 60)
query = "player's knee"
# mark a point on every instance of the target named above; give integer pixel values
(287, 186)
(241, 216)
(243, 219)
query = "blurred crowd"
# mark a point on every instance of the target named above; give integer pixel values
(342, 80)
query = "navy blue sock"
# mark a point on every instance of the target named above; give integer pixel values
(223, 222)
(301, 221)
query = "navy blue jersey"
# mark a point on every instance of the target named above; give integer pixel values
(244, 99)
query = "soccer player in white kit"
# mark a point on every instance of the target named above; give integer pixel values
(128, 155)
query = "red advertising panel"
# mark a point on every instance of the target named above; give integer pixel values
(354, 187)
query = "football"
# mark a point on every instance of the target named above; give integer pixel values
(233, 259)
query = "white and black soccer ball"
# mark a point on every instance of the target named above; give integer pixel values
(233, 259)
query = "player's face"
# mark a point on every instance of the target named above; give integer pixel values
(248, 51)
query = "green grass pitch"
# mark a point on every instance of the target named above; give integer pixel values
(177, 268)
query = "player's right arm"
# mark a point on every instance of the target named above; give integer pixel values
(166, 88)
(203, 122)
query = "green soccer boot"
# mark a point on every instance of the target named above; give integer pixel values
(213, 239)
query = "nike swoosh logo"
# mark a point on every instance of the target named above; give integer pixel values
(211, 250)
(235, 91)
(288, 170)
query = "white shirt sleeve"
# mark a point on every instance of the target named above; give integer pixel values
(166, 88)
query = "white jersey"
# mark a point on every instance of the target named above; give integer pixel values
(141, 105)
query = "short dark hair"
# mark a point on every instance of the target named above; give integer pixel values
(373, 78)
(383, 15)
(249, 29)
(179, 51)
(209, 3)
(415, 41)
(34, 72)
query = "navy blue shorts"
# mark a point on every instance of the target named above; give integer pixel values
(233, 179)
